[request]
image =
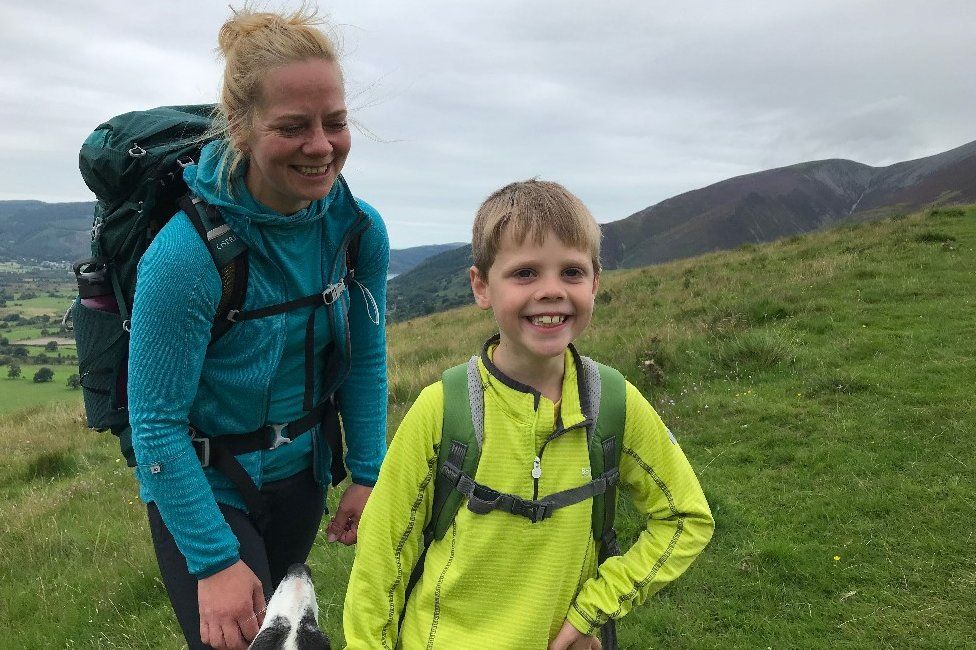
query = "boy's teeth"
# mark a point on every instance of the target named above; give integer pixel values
(313, 170)
(548, 320)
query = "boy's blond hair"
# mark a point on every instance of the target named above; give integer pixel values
(533, 208)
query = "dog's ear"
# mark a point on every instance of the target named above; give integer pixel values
(272, 636)
(310, 637)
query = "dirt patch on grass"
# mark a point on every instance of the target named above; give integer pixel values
(45, 340)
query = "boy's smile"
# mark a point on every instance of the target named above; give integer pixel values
(541, 296)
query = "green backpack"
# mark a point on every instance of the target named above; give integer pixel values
(604, 397)
(134, 165)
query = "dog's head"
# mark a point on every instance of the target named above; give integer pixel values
(291, 620)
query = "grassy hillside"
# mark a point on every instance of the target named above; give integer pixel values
(404, 259)
(438, 283)
(45, 231)
(821, 386)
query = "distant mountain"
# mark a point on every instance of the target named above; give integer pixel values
(54, 232)
(404, 259)
(438, 283)
(753, 208)
(34, 230)
(785, 201)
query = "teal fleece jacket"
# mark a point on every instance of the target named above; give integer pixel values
(254, 374)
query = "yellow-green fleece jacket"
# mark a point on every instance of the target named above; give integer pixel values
(498, 580)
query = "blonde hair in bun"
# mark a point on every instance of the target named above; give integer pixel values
(251, 43)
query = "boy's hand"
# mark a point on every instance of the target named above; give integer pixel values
(345, 523)
(569, 638)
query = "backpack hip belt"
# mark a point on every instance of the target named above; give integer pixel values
(220, 452)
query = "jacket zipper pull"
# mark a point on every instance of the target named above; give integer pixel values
(536, 467)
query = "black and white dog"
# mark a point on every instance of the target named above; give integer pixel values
(291, 621)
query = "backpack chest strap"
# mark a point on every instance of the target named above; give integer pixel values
(483, 499)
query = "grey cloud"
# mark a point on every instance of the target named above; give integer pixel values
(626, 102)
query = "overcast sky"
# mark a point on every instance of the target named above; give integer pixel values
(625, 102)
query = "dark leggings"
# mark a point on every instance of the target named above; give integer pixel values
(296, 505)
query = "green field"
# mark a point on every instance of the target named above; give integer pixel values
(821, 386)
(45, 304)
(21, 332)
(43, 283)
(22, 392)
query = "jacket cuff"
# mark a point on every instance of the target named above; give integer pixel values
(364, 480)
(213, 569)
(581, 622)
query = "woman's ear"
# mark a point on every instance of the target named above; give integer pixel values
(479, 287)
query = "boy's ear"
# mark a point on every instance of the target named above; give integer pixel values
(479, 287)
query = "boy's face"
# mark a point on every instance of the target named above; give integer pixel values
(541, 295)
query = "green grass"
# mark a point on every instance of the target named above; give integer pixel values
(821, 386)
(22, 392)
(24, 332)
(51, 305)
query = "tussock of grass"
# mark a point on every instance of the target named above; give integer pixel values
(934, 237)
(53, 464)
(752, 351)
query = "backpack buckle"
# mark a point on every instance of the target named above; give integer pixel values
(201, 446)
(332, 292)
(136, 151)
(185, 161)
(482, 499)
(279, 439)
(534, 511)
(232, 315)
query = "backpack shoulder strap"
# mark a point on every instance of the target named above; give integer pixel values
(607, 390)
(461, 437)
(460, 451)
(352, 251)
(229, 254)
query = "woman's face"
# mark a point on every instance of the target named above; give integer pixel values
(299, 139)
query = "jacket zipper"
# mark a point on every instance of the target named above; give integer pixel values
(537, 462)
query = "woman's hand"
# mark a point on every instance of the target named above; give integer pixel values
(345, 523)
(569, 638)
(231, 607)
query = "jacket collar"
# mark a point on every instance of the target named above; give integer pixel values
(572, 405)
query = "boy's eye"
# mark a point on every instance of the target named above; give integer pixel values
(336, 126)
(575, 273)
(523, 274)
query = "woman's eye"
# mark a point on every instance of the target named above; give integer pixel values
(336, 126)
(291, 129)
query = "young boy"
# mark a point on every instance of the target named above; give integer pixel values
(496, 579)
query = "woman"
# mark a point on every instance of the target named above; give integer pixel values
(225, 533)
